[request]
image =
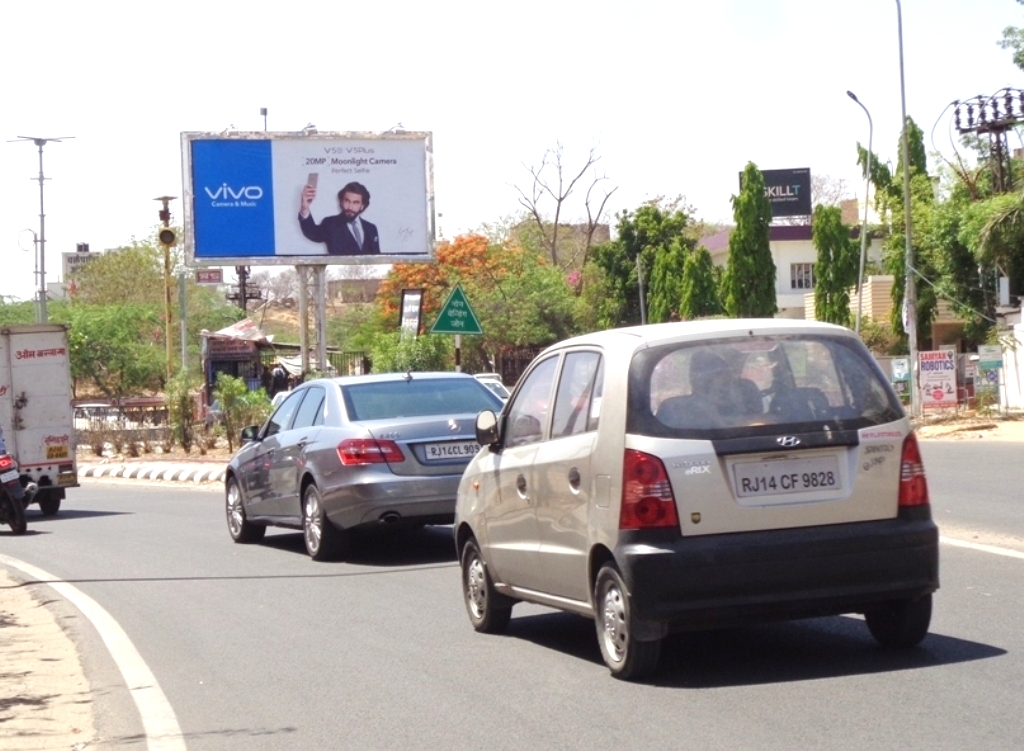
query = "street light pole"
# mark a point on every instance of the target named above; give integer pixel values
(864, 224)
(41, 314)
(910, 287)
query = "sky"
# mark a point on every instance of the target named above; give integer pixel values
(674, 97)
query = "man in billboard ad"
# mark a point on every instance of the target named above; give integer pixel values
(345, 234)
(325, 198)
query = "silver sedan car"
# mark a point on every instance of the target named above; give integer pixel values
(340, 454)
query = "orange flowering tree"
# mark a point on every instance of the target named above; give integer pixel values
(519, 298)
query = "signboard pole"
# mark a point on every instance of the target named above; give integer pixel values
(458, 353)
(184, 328)
(303, 317)
(320, 272)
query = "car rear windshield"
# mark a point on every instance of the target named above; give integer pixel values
(757, 385)
(417, 397)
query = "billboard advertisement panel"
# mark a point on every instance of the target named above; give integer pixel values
(789, 191)
(319, 198)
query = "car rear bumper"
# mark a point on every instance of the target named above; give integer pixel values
(419, 500)
(732, 579)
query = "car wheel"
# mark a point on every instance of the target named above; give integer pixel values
(48, 504)
(902, 623)
(239, 527)
(489, 612)
(324, 541)
(625, 656)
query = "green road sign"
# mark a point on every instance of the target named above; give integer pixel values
(456, 317)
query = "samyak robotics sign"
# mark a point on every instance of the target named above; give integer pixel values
(788, 190)
(325, 198)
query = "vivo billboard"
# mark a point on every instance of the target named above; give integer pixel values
(291, 198)
(788, 190)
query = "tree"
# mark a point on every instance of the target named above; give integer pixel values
(699, 288)
(1013, 39)
(644, 235)
(553, 183)
(132, 273)
(837, 265)
(666, 284)
(825, 190)
(115, 349)
(750, 272)
(518, 296)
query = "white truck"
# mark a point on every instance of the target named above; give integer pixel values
(36, 413)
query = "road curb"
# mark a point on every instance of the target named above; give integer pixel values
(165, 472)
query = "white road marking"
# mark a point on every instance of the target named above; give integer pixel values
(982, 548)
(158, 718)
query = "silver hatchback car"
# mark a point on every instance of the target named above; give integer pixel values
(697, 475)
(340, 454)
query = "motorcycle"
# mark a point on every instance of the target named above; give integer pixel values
(13, 497)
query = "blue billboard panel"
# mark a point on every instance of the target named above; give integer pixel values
(233, 198)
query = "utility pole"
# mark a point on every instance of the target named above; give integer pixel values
(910, 285)
(41, 315)
(244, 292)
(168, 238)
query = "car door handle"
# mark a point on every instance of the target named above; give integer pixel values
(521, 485)
(574, 478)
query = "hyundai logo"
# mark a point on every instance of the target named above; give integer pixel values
(788, 441)
(452, 425)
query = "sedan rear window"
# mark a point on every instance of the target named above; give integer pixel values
(417, 397)
(738, 387)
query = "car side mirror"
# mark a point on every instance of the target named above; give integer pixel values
(250, 434)
(487, 433)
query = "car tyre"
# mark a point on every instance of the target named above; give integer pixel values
(901, 623)
(626, 657)
(48, 504)
(239, 527)
(324, 541)
(489, 612)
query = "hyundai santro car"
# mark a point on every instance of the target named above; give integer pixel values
(698, 475)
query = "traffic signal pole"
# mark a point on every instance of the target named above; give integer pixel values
(167, 238)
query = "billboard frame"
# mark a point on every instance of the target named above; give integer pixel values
(321, 137)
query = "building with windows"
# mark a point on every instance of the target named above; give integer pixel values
(794, 255)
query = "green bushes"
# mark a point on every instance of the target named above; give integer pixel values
(239, 406)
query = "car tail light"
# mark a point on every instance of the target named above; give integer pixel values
(354, 451)
(6, 462)
(647, 499)
(913, 486)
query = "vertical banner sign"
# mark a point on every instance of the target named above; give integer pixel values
(937, 371)
(990, 362)
(412, 309)
(901, 376)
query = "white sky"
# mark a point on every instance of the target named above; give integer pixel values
(676, 96)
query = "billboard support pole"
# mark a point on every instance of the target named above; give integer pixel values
(182, 298)
(303, 317)
(320, 274)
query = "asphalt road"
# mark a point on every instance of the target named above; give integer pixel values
(258, 647)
